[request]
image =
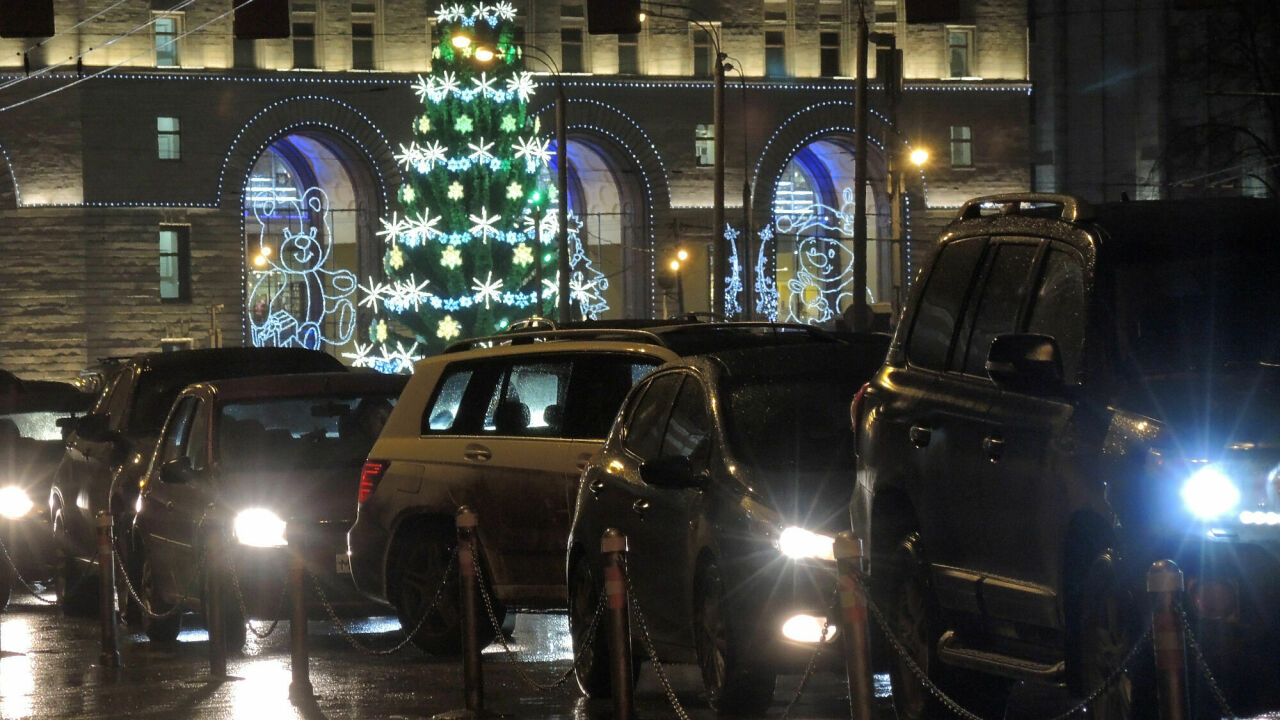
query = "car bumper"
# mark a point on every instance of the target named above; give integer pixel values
(771, 596)
(366, 545)
(263, 578)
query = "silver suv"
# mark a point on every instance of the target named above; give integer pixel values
(504, 425)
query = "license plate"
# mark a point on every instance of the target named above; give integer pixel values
(343, 563)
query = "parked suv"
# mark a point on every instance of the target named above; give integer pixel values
(504, 425)
(109, 449)
(1072, 394)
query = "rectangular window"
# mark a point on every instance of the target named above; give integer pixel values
(702, 52)
(168, 138)
(361, 45)
(961, 146)
(704, 145)
(959, 51)
(304, 40)
(775, 53)
(572, 10)
(166, 32)
(629, 54)
(175, 263)
(829, 53)
(246, 53)
(775, 12)
(571, 50)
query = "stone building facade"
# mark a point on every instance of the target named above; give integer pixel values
(135, 140)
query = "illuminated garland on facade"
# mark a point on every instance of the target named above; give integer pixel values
(732, 283)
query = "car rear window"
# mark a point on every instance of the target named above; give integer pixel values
(797, 423)
(316, 431)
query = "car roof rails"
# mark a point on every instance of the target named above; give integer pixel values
(526, 337)
(1073, 209)
(536, 322)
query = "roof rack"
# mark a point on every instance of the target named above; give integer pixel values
(1073, 208)
(526, 337)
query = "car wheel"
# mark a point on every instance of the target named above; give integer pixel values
(163, 629)
(733, 685)
(75, 593)
(422, 562)
(591, 660)
(1108, 627)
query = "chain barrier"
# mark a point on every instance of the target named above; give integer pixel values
(360, 647)
(560, 681)
(1218, 696)
(34, 593)
(649, 648)
(813, 659)
(137, 597)
(244, 610)
(954, 706)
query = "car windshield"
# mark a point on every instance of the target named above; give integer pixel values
(301, 432)
(35, 425)
(789, 422)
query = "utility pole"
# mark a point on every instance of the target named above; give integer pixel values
(860, 179)
(562, 203)
(718, 243)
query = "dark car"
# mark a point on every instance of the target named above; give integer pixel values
(251, 456)
(1073, 393)
(504, 425)
(109, 448)
(32, 416)
(728, 473)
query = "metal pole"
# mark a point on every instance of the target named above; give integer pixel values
(860, 179)
(718, 243)
(680, 291)
(215, 616)
(612, 545)
(562, 205)
(746, 257)
(110, 656)
(473, 679)
(1164, 585)
(299, 653)
(537, 258)
(853, 621)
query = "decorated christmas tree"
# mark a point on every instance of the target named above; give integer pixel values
(460, 254)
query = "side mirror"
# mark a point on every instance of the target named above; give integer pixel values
(1027, 363)
(672, 471)
(177, 471)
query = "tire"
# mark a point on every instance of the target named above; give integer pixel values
(157, 630)
(422, 561)
(733, 685)
(591, 664)
(1107, 626)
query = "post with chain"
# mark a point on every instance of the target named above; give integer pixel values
(612, 546)
(473, 678)
(215, 540)
(299, 653)
(850, 571)
(1165, 585)
(110, 656)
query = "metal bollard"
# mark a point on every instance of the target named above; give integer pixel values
(850, 570)
(473, 678)
(110, 656)
(612, 545)
(299, 654)
(1164, 585)
(215, 573)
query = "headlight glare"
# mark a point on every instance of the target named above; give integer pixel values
(259, 527)
(1209, 493)
(14, 502)
(800, 544)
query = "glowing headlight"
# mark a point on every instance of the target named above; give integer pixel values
(807, 629)
(259, 527)
(1209, 493)
(800, 544)
(14, 502)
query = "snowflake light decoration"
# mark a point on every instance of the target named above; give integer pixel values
(451, 257)
(448, 328)
(523, 255)
(463, 124)
(487, 290)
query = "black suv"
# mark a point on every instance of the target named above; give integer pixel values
(108, 449)
(1073, 393)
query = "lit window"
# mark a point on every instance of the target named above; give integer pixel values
(168, 138)
(166, 32)
(629, 54)
(775, 53)
(960, 51)
(704, 145)
(961, 146)
(175, 263)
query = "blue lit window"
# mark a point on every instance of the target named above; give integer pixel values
(168, 138)
(166, 33)
(175, 263)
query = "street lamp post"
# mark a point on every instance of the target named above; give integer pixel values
(860, 319)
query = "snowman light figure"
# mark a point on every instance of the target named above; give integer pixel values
(300, 296)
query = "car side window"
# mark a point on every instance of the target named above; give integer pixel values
(198, 437)
(689, 429)
(1003, 296)
(648, 421)
(1058, 309)
(938, 313)
(115, 402)
(442, 411)
(599, 385)
(527, 402)
(173, 444)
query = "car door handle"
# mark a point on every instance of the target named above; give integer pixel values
(583, 459)
(993, 446)
(477, 453)
(639, 507)
(596, 486)
(920, 435)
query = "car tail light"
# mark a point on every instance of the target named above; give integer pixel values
(855, 413)
(370, 476)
